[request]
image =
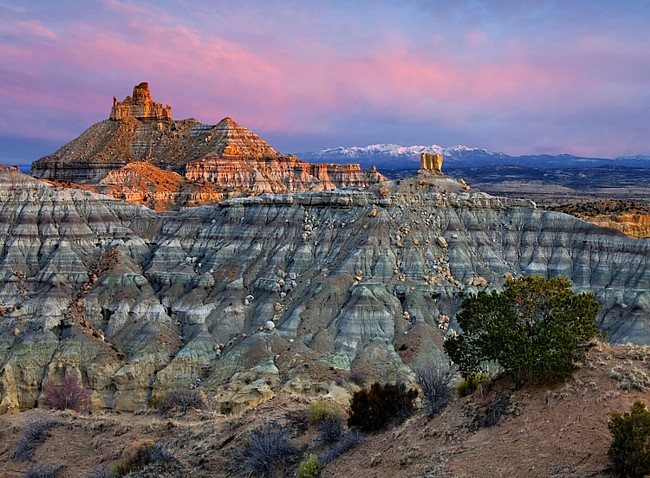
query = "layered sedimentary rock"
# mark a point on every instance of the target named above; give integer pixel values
(140, 106)
(629, 217)
(227, 156)
(277, 175)
(274, 292)
(158, 189)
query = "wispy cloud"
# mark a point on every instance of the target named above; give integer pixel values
(558, 76)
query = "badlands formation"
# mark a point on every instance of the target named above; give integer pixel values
(287, 290)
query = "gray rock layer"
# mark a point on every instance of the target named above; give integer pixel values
(274, 292)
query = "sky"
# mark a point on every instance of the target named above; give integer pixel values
(519, 77)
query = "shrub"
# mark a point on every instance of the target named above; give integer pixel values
(347, 441)
(319, 411)
(381, 405)
(494, 412)
(331, 429)
(161, 454)
(136, 456)
(531, 329)
(308, 467)
(357, 377)
(474, 383)
(182, 400)
(33, 436)
(434, 382)
(41, 471)
(68, 395)
(630, 449)
(266, 449)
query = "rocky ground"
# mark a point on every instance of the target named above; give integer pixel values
(629, 217)
(558, 431)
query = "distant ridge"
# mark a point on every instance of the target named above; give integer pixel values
(393, 156)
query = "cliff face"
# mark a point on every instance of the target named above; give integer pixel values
(274, 292)
(229, 157)
(633, 225)
(631, 218)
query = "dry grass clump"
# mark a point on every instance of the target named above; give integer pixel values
(320, 411)
(135, 456)
(629, 377)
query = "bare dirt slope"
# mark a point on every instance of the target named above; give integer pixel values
(544, 432)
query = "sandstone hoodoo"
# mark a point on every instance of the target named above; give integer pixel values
(219, 160)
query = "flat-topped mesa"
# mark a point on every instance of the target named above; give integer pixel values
(140, 106)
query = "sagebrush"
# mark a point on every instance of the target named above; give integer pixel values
(435, 385)
(346, 441)
(35, 434)
(264, 451)
(182, 400)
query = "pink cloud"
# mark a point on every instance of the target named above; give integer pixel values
(304, 76)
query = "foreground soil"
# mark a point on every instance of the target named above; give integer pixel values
(558, 431)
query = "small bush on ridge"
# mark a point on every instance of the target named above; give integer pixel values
(308, 467)
(434, 382)
(381, 405)
(68, 395)
(267, 448)
(630, 448)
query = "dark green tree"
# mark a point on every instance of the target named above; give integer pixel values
(630, 449)
(531, 329)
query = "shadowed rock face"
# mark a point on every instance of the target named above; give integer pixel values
(135, 301)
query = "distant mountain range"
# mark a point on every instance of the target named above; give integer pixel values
(393, 156)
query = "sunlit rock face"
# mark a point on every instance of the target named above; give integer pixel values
(214, 161)
(140, 106)
(137, 302)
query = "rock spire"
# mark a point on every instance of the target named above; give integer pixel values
(140, 106)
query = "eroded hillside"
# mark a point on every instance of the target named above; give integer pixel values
(275, 292)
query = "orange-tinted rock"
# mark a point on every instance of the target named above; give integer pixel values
(634, 225)
(431, 161)
(144, 183)
(140, 106)
(210, 160)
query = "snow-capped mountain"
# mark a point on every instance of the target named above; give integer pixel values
(394, 156)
